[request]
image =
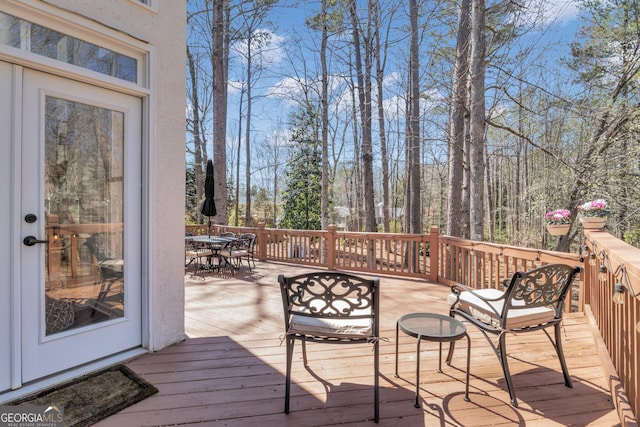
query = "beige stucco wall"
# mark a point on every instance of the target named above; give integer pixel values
(164, 30)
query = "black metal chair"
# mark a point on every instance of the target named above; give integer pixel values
(195, 253)
(238, 249)
(248, 244)
(111, 269)
(330, 307)
(532, 301)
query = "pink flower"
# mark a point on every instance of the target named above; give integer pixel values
(558, 216)
(597, 208)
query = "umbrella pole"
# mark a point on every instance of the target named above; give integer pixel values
(209, 228)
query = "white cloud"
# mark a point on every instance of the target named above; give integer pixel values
(395, 106)
(234, 86)
(393, 79)
(562, 10)
(549, 12)
(267, 48)
(289, 90)
(278, 137)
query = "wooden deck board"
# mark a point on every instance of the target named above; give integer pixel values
(230, 371)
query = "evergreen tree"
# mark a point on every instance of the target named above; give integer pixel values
(303, 178)
(191, 199)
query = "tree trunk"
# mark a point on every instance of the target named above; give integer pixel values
(364, 102)
(459, 95)
(236, 219)
(219, 63)
(476, 155)
(408, 200)
(198, 148)
(380, 59)
(357, 205)
(247, 140)
(324, 196)
(413, 138)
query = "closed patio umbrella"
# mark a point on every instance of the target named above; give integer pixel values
(209, 205)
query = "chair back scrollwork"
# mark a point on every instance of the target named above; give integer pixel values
(330, 295)
(546, 286)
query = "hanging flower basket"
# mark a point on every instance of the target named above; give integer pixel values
(593, 222)
(558, 229)
(558, 222)
(593, 214)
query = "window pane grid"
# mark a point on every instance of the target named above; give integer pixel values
(49, 43)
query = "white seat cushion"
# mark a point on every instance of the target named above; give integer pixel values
(234, 253)
(333, 327)
(198, 253)
(489, 312)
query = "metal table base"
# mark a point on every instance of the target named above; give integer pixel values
(436, 328)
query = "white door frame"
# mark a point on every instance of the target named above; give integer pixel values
(67, 22)
(42, 354)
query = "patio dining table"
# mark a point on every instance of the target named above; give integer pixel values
(215, 244)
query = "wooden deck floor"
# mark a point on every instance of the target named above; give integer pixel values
(230, 371)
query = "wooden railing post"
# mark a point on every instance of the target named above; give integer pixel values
(262, 241)
(331, 246)
(52, 231)
(588, 275)
(434, 255)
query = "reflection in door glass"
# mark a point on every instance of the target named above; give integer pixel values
(84, 276)
(21, 34)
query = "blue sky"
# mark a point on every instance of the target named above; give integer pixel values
(279, 88)
(289, 59)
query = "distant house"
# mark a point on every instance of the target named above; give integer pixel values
(91, 185)
(394, 213)
(344, 219)
(341, 216)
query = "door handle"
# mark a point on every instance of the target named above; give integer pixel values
(31, 240)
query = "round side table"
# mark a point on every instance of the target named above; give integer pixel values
(435, 328)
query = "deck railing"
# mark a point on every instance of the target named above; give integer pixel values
(612, 262)
(390, 253)
(69, 262)
(431, 256)
(477, 264)
(486, 265)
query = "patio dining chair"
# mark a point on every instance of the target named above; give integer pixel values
(249, 244)
(111, 269)
(532, 301)
(197, 254)
(238, 249)
(334, 308)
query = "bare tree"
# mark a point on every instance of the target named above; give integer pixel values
(220, 64)
(356, 204)
(457, 121)
(236, 207)
(477, 123)
(380, 54)
(194, 126)
(413, 129)
(253, 14)
(324, 113)
(508, 160)
(363, 74)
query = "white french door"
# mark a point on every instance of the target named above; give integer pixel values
(80, 189)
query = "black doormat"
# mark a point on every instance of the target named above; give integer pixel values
(93, 397)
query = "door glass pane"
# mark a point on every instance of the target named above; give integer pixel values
(44, 41)
(84, 277)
